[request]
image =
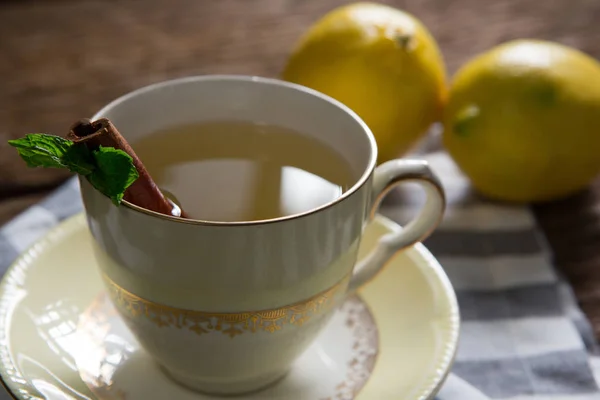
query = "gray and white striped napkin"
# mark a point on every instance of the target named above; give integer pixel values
(522, 338)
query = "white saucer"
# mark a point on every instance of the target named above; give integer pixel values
(61, 339)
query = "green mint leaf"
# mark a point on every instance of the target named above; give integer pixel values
(41, 150)
(109, 170)
(78, 159)
(48, 151)
(114, 172)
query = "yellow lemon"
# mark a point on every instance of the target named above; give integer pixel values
(523, 121)
(379, 61)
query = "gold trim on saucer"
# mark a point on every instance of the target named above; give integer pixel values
(365, 346)
(132, 306)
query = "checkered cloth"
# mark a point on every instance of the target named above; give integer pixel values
(522, 337)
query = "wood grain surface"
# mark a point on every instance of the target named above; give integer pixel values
(61, 60)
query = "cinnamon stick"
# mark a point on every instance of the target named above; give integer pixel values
(143, 192)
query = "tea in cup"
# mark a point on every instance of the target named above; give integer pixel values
(279, 182)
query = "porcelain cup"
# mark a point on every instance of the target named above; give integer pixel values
(226, 307)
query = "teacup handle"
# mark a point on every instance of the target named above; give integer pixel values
(386, 177)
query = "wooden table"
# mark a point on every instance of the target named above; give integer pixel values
(61, 60)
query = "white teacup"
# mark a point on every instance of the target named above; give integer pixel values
(227, 307)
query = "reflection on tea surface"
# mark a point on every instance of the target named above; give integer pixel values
(240, 171)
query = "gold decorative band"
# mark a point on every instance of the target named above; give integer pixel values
(132, 306)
